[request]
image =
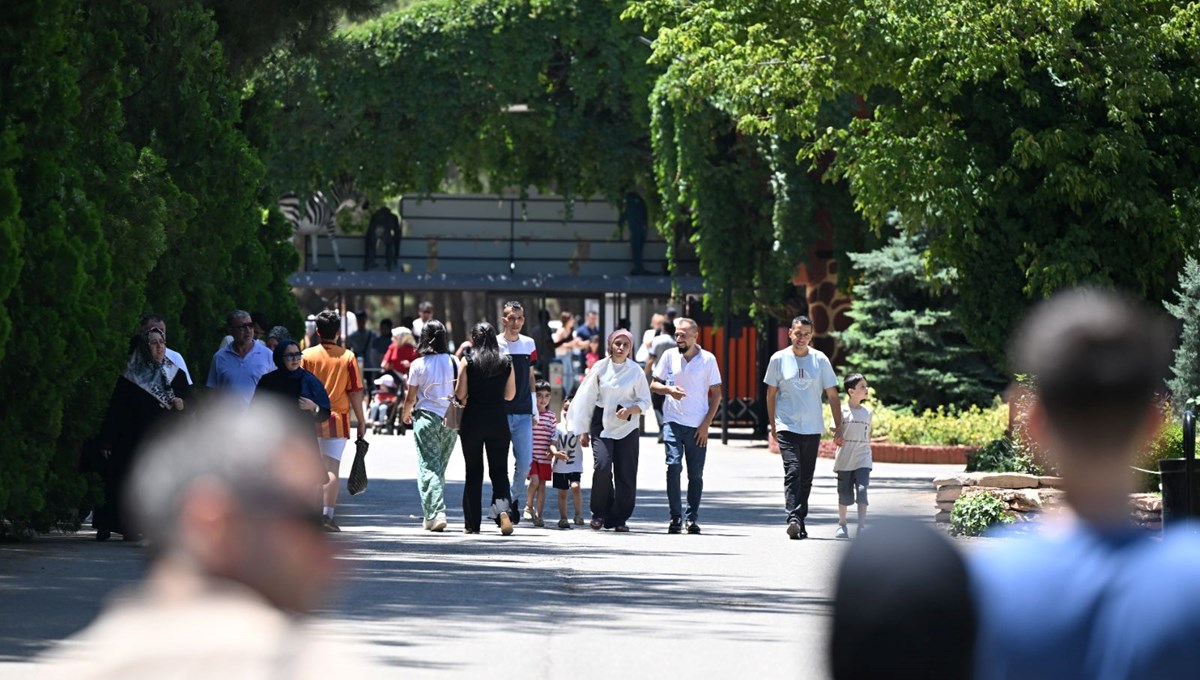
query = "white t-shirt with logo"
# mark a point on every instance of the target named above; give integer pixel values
(567, 442)
(695, 376)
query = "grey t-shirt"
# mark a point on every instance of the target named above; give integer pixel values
(800, 381)
(660, 344)
(855, 454)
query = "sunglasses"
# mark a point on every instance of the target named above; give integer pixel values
(294, 356)
(244, 327)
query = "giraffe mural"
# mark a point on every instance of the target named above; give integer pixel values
(828, 307)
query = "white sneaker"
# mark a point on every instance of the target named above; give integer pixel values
(529, 514)
(425, 524)
(438, 523)
(842, 532)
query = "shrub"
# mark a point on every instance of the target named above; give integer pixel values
(975, 513)
(1169, 444)
(944, 426)
(1004, 454)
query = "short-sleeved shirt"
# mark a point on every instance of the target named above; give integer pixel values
(660, 344)
(523, 355)
(855, 454)
(237, 374)
(567, 442)
(432, 376)
(695, 376)
(800, 381)
(1110, 604)
(543, 434)
(337, 369)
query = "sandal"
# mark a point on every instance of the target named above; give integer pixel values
(597, 524)
(622, 529)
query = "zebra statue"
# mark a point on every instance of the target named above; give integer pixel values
(319, 215)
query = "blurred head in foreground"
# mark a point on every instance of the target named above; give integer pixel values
(229, 497)
(1096, 359)
(903, 607)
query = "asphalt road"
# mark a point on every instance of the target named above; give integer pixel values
(739, 600)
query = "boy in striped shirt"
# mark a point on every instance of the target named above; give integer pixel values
(540, 471)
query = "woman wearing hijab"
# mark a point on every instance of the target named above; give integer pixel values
(485, 383)
(150, 390)
(605, 411)
(430, 388)
(294, 384)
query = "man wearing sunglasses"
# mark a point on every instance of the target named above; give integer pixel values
(237, 367)
(236, 552)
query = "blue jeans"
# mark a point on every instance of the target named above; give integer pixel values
(520, 426)
(681, 445)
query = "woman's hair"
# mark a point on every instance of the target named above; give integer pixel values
(433, 339)
(487, 354)
(403, 336)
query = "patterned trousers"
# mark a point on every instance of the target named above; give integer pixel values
(435, 443)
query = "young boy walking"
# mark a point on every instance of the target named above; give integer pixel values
(540, 471)
(568, 469)
(853, 460)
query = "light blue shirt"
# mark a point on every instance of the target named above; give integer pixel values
(237, 374)
(800, 381)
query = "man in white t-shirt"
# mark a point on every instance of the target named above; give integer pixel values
(155, 321)
(643, 351)
(796, 377)
(688, 376)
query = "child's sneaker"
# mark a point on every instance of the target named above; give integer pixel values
(537, 520)
(564, 524)
(578, 520)
(842, 532)
(529, 515)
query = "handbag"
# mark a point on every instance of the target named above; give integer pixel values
(454, 411)
(357, 482)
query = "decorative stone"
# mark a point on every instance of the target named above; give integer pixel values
(1023, 500)
(953, 480)
(943, 516)
(1146, 502)
(949, 493)
(1009, 480)
(1141, 516)
(945, 505)
(1050, 482)
(1051, 498)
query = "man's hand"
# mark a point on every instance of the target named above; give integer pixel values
(838, 437)
(676, 392)
(177, 404)
(362, 429)
(584, 440)
(407, 417)
(702, 434)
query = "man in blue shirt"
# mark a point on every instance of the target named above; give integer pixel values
(796, 377)
(1097, 598)
(237, 367)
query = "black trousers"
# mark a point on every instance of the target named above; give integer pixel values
(473, 446)
(614, 476)
(799, 454)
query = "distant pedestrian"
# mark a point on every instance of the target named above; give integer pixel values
(658, 347)
(155, 321)
(605, 414)
(523, 353)
(337, 369)
(852, 464)
(237, 367)
(430, 388)
(796, 378)
(424, 316)
(690, 379)
(401, 353)
(296, 387)
(568, 468)
(540, 471)
(486, 381)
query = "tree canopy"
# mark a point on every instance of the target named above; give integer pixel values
(1039, 144)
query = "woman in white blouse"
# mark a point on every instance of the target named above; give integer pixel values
(605, 411)
(430, 386)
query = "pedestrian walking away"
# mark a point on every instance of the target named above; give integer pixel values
(430, 388)
(521, 350)
(690, 379)
(486, 381)
(605, 414)
(796, 377)
(337, 369)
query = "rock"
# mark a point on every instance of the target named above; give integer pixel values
(949, 493)
(1050, 482)
(1146, 502)
(1051, 498)
(954, 480)
(1008, 480)
(945, 505)
(943, 516)
(1024, 500)
(1141, 516)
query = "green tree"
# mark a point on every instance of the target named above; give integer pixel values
(905, 338)
(1038, 144)
(1185, 381)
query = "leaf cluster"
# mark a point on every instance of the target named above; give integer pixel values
(975, 513)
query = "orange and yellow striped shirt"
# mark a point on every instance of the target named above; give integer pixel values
(337, 369)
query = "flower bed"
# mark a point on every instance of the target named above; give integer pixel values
(887, 452)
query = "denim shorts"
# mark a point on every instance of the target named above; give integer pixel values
(852, 486)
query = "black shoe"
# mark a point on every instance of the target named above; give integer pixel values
(103, 535)
(676, 526)
(795, 531)
(693, 528)
(331, 526)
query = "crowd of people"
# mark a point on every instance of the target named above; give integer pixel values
(1094, 599)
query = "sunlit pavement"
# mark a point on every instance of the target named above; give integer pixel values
(739, 600)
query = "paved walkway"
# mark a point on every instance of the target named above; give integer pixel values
(739, 600)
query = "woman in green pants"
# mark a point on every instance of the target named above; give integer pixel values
(430, 386)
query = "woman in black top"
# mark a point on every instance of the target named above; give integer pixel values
(297, 386)
(152, 390)
(485, 382)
